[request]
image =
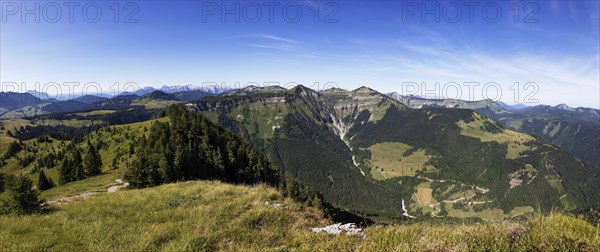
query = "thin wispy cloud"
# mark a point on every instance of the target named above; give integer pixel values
(283, 47)
(267, 37)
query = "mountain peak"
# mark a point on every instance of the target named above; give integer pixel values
(364, 89)
(304, 91)
(89, 99)
(564, 107)
(159, 95)
(301, 88)
(334, 90)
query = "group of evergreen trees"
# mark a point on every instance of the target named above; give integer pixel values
(13, 148)
(190, 147)
(76, 167)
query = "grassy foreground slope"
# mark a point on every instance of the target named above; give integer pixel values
(208, 215)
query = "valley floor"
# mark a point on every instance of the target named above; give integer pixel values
(208, 215)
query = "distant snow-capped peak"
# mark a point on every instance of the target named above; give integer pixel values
(564, 107)
(214, 89)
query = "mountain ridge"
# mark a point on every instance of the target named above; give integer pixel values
(576, 130)
(347, 130)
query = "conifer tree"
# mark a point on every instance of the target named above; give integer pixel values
(92, 162)
(114, 165)
(65, 172)
(44, 183)
(77, 162)
(22, 198)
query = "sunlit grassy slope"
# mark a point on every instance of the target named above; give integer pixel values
(516, 141)
(207, 215)
(116, 143)
(391, 161)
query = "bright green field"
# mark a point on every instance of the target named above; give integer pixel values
(388, 160)
(515, 141)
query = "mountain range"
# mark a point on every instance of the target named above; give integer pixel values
(32, 103)
(208, 89)
(576, 130)
(370, 153)
(385, 157)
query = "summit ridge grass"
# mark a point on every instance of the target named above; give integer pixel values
(210, 215)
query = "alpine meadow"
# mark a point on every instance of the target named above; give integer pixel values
(300, 126)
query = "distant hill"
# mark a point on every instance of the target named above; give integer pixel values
(155, 100)
(515, 107)
(41, 95)
(65, 107)
(190, 95)
(140, 92)
(89, 99)
(46, 108)
(12, 100)
(26, 105)
(159, 95)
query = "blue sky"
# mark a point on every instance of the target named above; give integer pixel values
(385, 45)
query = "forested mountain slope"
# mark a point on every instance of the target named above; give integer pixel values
(575, 130)
(367, 153)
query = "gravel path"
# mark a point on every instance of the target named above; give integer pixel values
(71, 198)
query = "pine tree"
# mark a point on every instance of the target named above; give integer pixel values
(92, 162)
(136, 174)
(443, 211)
(114, 165)
(13, 148)
(166, 170)
(1, 183)
(44, 183)
(23, 199)
(65, 172)
(77, 163)
(131, 150)
(179, 159)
